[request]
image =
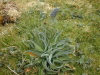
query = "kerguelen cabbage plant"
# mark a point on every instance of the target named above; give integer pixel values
(50, 53)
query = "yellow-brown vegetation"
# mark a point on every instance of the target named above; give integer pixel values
(9, 12)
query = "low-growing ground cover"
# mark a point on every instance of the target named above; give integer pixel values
(78, 21)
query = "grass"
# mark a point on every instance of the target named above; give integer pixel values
(78, 22)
